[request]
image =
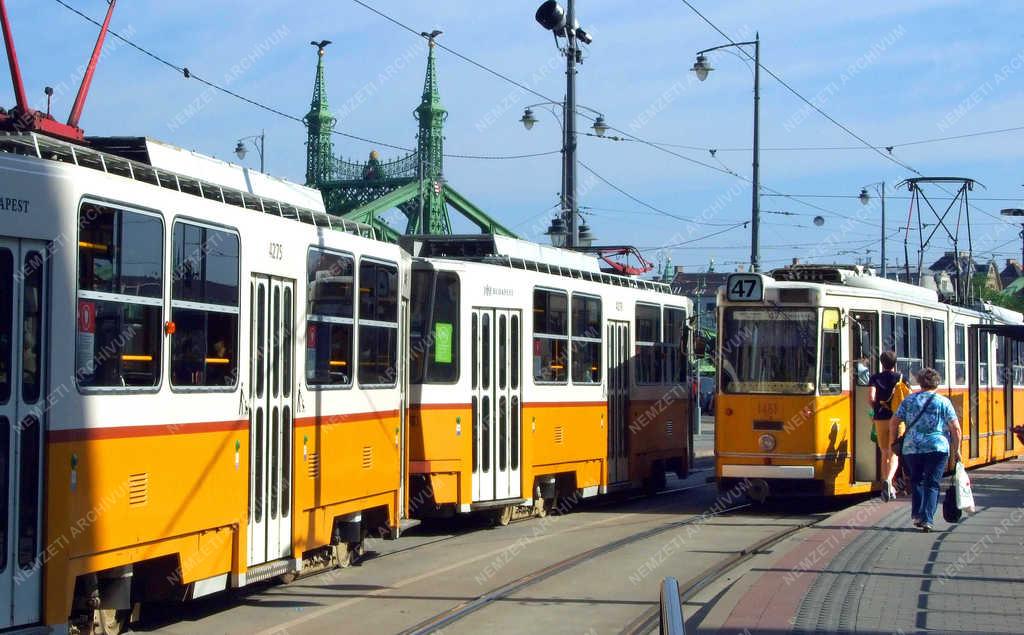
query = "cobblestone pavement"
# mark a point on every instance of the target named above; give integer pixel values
(868, 570)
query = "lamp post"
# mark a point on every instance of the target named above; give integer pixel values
(562, 23)
(1019, 213)
(584, 237)
(241, 150)
(864, 199)
(702, 67)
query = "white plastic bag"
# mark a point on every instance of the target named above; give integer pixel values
(964, 495)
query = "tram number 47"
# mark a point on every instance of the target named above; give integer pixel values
(744, 288)
(276, 251)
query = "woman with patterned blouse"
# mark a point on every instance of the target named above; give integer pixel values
(932, 430)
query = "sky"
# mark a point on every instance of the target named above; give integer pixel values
(889, 73)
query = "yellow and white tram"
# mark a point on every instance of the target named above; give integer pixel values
(795, 351)
(197, 390)
(204, 379)
(521, 386)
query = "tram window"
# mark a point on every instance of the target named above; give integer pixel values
(5, 463)
(983, 346)
(330, 280)
(286, 345)
(675, 345)
(888, 332)
(586, 339)
(514, 432)
(261, 349)
(28, 493)
(6, 330)
(473, 348)
(485, 351)
(648, 344)
(1017, 361)
(275, 344)
(485, 435)
(204, 306)
(443, 351)
(915, 345)
(378, 323)
(514, 382)
(274, 472)
(960, 354)
(1000, 364)
(502, 343)
(120, 283)
(550, 336)
(419, 304)
(830, 353)
(286, 461)
(937, 342)
(770, 351)
(32, 328)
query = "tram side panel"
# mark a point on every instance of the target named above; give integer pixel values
(154, 484)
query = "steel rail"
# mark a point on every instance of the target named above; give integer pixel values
(648, 621)
(460, 611)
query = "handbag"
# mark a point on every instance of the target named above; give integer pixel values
(964, 495)
(951, 513)
(874, 433)
(897, 445)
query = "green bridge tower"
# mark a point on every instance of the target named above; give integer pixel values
(414, 184)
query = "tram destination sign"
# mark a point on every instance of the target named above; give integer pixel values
(744, 287)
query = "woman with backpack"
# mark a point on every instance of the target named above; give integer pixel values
(932, 437)
(883, 388)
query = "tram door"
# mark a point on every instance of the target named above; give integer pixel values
(497, 422)
(863, 361)
(618, 401)
(270, 418)
(23, 307)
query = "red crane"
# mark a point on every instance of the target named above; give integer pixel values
(24, 118)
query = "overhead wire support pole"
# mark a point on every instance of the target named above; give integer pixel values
(570, 124)
(701, 67)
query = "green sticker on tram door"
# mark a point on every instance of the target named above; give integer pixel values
(443, 343)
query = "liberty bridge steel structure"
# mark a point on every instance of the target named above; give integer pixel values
(414, 183)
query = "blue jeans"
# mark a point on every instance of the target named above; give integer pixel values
(925, 478)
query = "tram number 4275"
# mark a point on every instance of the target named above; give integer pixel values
(744, 287)
(276, 251)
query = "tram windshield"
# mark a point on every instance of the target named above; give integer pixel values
(769, 351)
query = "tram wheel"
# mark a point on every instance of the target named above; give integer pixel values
(110, 621)
(540, 509)
(504, 516)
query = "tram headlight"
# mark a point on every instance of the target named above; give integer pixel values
(766, 442)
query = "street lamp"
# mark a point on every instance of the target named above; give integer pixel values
(1018, 212)
(600, 127)
(562, 23)
(701, 68)
(864, 197)
(258, 143)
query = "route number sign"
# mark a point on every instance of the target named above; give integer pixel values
(744, 287)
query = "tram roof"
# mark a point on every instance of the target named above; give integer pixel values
(522, 254)
(164, 165)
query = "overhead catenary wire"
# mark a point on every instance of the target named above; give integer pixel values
(190, 74)
(887, 147)
(877, 149)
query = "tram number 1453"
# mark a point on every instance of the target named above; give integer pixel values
(744, 287)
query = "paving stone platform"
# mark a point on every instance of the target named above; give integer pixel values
(868, 570)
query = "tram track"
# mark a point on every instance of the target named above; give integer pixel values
(469, 607)
(607, 501)
(648, 621)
